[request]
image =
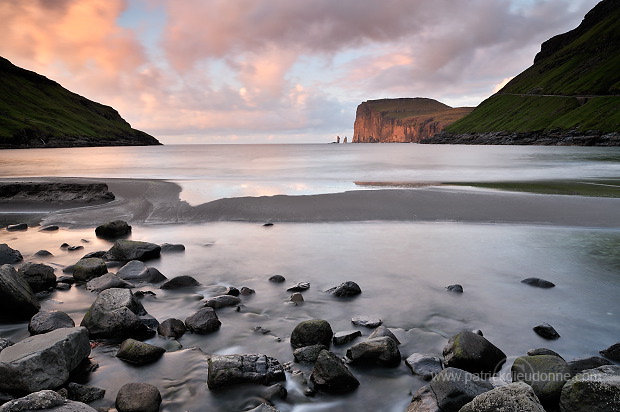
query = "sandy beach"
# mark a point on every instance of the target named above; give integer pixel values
(158, 201)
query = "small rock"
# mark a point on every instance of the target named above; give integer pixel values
(203, 321)
(381, 351)
(222, 301)
(368, 321)
(267, 224)
(340, 338)
(113, 229)
(48, 320)
(612, 352)
(455, 288)
(179, 282)
(232, 291)
(169, 247)
(74, 248)
(383, 331)
(299, 287)
(172, 328)
(478, 332)
(297, 297)
(308, 354)
(134, 397)
(539, 283)
(49, 228)
(312, 332)
(64, 245)
(546, 331)
(140, 353)
(277, 279)
(43, 253)
(155, 276)
(348, 288)
(245, 291)
(427, 366)
(63, 286)
(18, 226)
(331, 375)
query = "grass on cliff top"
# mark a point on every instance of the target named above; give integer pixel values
(592, 188)
(403, 108)
(537, 113)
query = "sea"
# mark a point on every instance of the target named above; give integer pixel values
(403, 268)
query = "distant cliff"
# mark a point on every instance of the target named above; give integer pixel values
(569, 96)
(37, 112)
(402, 120)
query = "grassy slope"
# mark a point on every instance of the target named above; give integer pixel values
(418, 108)
(34, 108)
(587, 62)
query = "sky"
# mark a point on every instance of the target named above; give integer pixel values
(276, 71)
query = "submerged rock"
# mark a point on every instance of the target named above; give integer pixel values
(516, 396)
(222, 301)
(580, 365)
(612, 352)
(539, 283)
(107, 281)
(203, 321)
(134, 397)
(9, 255)
(546, 331)
(172, 247)
(348, 288)
(381, 351)
(426, 366)
(172, 328)
(179, 282)
(277, 279)
(17, 226)
(226, 370)
(299, 287)
(126, 250)
(45, 400)
(473, 353)
(48, 320)
(17, 301)
(89, 268)
(43, 361)
(454, 387)
(113, 229)
(312, 332)
(455, 288)
(140, 353)
(331, 375)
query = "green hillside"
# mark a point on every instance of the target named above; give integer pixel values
(572, 88)
(38, 112)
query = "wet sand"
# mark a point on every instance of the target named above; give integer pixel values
(158, 201)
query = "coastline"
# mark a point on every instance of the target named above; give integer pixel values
(158, 202)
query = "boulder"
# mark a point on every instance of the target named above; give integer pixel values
(473, 353)
(546, 331)
(539, 283)
(43, 253)
(17, 301)
(277, 279)
(222, 301)
(179, 282)
(8, 255)
(172, 247)
(134, 270)
(516, 396)
(426, 366)
(127, 250)
(113, 229)
(593, 390)
(546, 374)
(204, 321)
(348, 288)
(43, 361)
(17, 226)
(381, 351)
(424, 400)
(115, 314)
(84, 393)
(368, 321)
(383, 331)
(455, 288)
(454, 387)
(107, 281)
(331, 375)
(140, 353)
(226, 370)
(308, 354)
(89, 268)
(172, 328)
(612, 352)
(583, 364)
(48, 320)
(39, 276)
(340, 338)
(312, 332)
(47, 400)
(138, 397)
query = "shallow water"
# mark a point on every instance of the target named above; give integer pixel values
(402, 268)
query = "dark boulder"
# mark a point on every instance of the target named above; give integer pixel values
(516, 396)
(455, 288)
(546, 331)
(312, 332)
(135, 271)
(222, 301)
(612, 352)
(49, 320)
(454, 387)
(89, 268)
(547, 374)
(39, 276)
(84, 393)
(172, 328)
(116, 228)
(17, 301)
(593, 390)
(139, 353)
(340, 338)
(203, 321)
(107, 281)
(226, 370)
(308, 354)
(331, 375)
(179, 282)
(383, 331)
(583, 364)
(126, 250)
(381, 351)
(473, 353)
(348, 288)
(17, 226)
(138, 397)
(539, 283)
(9, 255)
(426, 366)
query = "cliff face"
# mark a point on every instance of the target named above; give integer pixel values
(402, 120)
(37, 112)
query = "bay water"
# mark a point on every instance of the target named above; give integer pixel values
(402, 267)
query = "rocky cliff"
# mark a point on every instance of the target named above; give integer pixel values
(569, 96)
(37, 112)
(402, 120)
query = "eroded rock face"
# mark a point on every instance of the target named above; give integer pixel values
(43, 361)
(226, 370)
(17, 300)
